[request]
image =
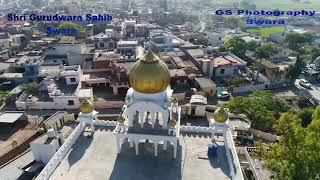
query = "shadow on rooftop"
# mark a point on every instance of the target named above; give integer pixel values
(221, 161)
(79, 148)
(146, 166)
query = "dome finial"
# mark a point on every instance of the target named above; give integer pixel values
(150, 57)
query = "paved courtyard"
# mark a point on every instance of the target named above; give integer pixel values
(96, 158)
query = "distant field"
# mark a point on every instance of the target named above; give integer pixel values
(265, 32)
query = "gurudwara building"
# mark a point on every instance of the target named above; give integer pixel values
(150, 112)
(147, 141)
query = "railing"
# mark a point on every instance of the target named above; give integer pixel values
(251, 165)
(197, 129)
(105, 123)
(61, 153)
(238, 171)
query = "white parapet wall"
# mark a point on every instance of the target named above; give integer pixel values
(197, 129)
(61, 153)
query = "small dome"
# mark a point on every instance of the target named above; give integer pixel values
(172, 122)
(174, 100)
(121, 119)
(86, 106)
(149, 75)
(220, 115)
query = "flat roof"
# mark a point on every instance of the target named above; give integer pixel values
(205, 82)
(127, 42)
(10, 117)
(196, 52)
(13, 169)
(11, 75)
(89, 158)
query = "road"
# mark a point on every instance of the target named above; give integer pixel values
(297, 90)
(314, 91)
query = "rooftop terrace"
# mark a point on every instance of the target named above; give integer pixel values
(97, 158)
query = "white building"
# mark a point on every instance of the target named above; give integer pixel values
(164, 41)
(60, 92)
(75, 52)
(196, 107)
(148, 108)
(44, 147)
(215, 38)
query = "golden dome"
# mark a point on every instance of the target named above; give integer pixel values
(121, 119)
(220, 115)
(149, 75)
(86, 106)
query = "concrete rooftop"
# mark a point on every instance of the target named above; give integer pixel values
(96, 158)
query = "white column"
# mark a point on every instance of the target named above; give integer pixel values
(152, 116)
(165, 145)
(155, 149)
(130, 116)
(141, 116)
(212, 135)
(174, 149)
(131, 143)
(92, 126)
(165, 117)
(117, 141)
(120, 144)
(137, 147)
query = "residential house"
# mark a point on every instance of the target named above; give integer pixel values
(223, 64)
(108, 69)
(61, 92)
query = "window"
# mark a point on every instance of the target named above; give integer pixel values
(101, 45)
(222, 71)
(72, 79)
(219, 38)
(70, 102)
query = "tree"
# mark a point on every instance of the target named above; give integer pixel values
(307, 37)
(252, 46)
(295, 40)
(71, 25)
(261, 107)
(184, 17)
(296, 155)
(270, 101)
(247, 5)
(305, 115)
(293, 71)
(266, 50)
(36, 3)
(236, 46)
(233, 22)
(311, 52)
(30, 88)
(201, 41)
